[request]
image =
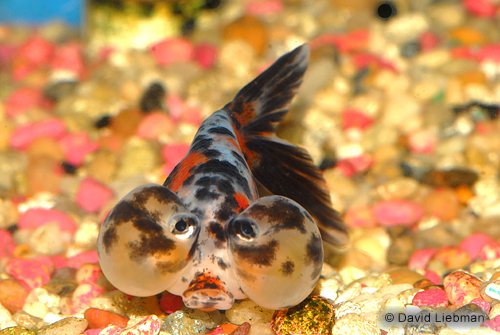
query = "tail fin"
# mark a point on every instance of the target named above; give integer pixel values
(282, 168)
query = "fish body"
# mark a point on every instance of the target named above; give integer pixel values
(205, 234)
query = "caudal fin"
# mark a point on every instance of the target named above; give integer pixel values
(282, 168)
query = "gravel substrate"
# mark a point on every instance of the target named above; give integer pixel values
(399, 108)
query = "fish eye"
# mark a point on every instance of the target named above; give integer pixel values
(181, 225)
(245, 229)
(184, 225)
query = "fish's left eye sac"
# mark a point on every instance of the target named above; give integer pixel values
(245, 229)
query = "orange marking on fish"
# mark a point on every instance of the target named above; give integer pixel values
(241, 199)
(204, 282)
(183, 170)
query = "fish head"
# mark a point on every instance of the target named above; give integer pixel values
(276, 252)
(147, 240)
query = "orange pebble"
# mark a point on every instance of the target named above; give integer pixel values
(464, 193)
(472, 77)
(226, 328)
(467, 36)
(99, 318)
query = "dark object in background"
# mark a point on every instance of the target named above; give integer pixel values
(69, 168)
(153, 98)
(103, 122)
(491, 110)
(386, 10)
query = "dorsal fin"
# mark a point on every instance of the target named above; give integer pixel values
(282, 168)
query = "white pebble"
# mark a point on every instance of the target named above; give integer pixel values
(6, 318)
(406, 28)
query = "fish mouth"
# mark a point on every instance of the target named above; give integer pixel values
(208, 299)
(208, 293)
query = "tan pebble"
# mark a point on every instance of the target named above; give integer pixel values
(125, 124)
(395, 289)
(372, 305)
(405, 276)
(41, 295)
(398, 188)
(44, 174)
(261, 328)
(400, 250)
(113, 301)
(349, 293)
(67, 326)
(355, 324)
(442, 203)
(139, 157)
(103, 166)
(142, 307)
(250, 29)
(351, 273)
(7, 127)
(46, 146)
(6, 319)
(130, 91)
(247, 311)
(36, 309)
(47, 240)
(24, 319)
(329, 288)
(494, 311)
(406, 297)
(86, 235)
(347, 307)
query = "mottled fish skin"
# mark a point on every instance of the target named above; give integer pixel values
(205, 234)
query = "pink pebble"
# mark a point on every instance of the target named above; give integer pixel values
(150, 325)
(490, 251)
(29, 272)
(428, 41)
(361, 216)
(82, 258)
(154, 125)
(80, 300)
(461, 288)
(397, 212)
(69, 57)
(92, 195)
(34, 218)
(352, 118)
(420, 258)
(88, 273)
(352, 41)
(473, 244)
(483, 8)
(493, 324)
(173, 153)
(205, 55)
(175, 106)
(432, 276)
(257, 8)
(21, 100)
(434, 297)
(192, 114)
(59, 261)
(76, 146)
(23, 135)
(7, 53)
(172, 50)
(489, 53)
(7, 244)
(463, 52)
(363, 60)
(47, 261)
(422, 141)
(37, 51)
(170, 303)
(483, 304)
(95, 331)
(21, 70)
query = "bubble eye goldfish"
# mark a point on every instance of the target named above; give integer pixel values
(205, 234)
